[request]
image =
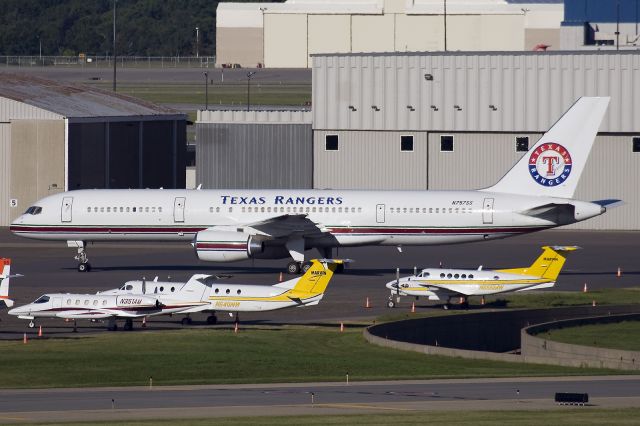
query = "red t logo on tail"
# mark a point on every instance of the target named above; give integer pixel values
(550, 161)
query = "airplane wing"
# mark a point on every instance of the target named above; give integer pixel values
(287, 225)
(443, 290)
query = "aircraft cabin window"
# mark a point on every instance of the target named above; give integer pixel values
(68, 301)
(411, 210)
(121, 209)
(404, 210)
(140, 209)
(95, 210)
(101, 209)
(333, 209)
(108, 209)
(173, 289)
(161, 289)
(217, 291)
(228, 291)
(456, 276)
(457, 210)
(88, 209)
(77, 301)
(442, 275)
(146, 209)
(42, 299)
(230, 209)
(430, 210)
(128, 209)
(463, 276)
(470, 276)
(450, 210)
(210, 209)
(262, 209)
(268, 209)
(449, 275)
(243, 210)
(495, 277)
(339, 209)
(217, 209)
(281, 209)
(95, 303)
(153, 209)
(238, 292)
(288, 209)
(159, 209)
(86, 302)
(104, 302)
(133, 209)
(359, 209)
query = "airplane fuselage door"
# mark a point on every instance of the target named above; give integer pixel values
(178, 209)
(487, 210)
(380, 213)
(67, 206)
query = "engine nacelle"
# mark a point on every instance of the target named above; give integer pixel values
(137, 301)
(227, 246)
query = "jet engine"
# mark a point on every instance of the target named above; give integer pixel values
(227, 246)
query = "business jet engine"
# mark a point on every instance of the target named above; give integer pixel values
(227, 246)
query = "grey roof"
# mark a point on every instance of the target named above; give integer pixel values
(75, 101)
(485, 53)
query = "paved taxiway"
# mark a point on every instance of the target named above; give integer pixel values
(49, 267)
(273, 399)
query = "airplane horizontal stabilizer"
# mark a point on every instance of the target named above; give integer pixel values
(609, 203)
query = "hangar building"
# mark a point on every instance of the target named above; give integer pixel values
(457, 120)
(285, 35)
(56, 137)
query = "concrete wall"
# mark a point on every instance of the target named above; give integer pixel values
(485, 335)
(38, 156)
(536, 346)
(7, 211)
(285, 41)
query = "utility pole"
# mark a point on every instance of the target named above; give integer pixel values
(249, 75)
(114, 44)
(445, 25)
(197, 42)
(206, 91)
(618, 25)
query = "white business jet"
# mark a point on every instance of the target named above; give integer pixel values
(443, 284)
(5, 277)
(231, 225)
(306, 290)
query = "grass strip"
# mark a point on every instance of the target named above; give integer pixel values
(624, 335)
(215, 356)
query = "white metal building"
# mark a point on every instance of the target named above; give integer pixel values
(285, 35)
(56, 137)
(461, 120)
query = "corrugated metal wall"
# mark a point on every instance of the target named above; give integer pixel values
(501, 92)
(254, 155)
(10, 109)
(6, 211)
(370, 160)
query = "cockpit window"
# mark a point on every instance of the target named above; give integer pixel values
(34, 210)
(129, 287)
(42, 299)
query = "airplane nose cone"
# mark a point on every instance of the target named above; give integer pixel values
(15, 311)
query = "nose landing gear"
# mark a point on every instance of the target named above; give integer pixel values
(84, 265)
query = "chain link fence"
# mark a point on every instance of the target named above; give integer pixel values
(107, 61)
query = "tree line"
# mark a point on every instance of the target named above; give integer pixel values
(143, 27)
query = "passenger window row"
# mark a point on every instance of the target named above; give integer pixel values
(430, 210)
(124, 209)
(290, 209)
(86, 302)
(227, 291)
(456, 276)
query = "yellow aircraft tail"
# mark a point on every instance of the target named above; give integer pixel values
(548, 265)
(317, 277)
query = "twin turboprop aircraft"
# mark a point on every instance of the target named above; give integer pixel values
(443, 284)
(202, 293)
(231, 225)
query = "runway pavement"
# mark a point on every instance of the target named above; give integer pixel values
(309, 398)
(50, 267)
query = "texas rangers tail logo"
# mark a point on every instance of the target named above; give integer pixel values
(550, 164)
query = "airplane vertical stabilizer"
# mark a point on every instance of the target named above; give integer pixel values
(317, 277)
(552, 167)
(548, 265)
(4, 283)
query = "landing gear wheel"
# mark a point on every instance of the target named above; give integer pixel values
(84, 267)
(128, 325)
(305, 267)
(186, 321)
(32, 324)
(212, 319)
(293, 268)
(391, 303)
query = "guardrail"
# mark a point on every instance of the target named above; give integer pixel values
(95, 61)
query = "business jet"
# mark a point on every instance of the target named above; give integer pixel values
(232, 225)
(444, 284)
(306, 290)
(5, 277)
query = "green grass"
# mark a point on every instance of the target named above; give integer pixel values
(566, 417)
(623, 335)
(220, 356)
(227, 93)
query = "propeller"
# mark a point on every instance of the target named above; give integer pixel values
(397, 281)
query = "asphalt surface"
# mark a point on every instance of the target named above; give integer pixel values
(307, 398)
(50, 267)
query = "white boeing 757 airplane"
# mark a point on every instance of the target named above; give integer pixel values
(231, 225)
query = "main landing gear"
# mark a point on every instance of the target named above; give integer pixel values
(295, 268)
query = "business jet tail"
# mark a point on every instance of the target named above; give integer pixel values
(548, 265)
(314, 282)
(552, 167)
(4, 283)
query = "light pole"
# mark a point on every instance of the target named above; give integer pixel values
(197, 42)
(249, 75)
(206, 91)
(114, 44)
